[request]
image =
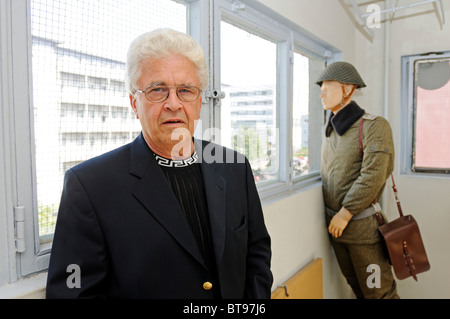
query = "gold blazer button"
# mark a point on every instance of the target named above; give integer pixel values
(207, 285)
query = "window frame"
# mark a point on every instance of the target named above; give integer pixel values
(253, 21)
(33, 258)
(408, 111)
(316, 115)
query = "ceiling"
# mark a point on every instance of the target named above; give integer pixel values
(371, 14)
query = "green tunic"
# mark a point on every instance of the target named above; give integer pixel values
(353, 180)
(350, 180)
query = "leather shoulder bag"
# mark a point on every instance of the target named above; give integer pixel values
(402, 237)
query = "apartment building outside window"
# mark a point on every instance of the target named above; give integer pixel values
(78, 121)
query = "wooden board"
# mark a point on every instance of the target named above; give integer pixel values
(307, 283)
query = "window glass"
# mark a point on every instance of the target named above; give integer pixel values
(249, 109)
(300, 116)
(306, 116)
(432, 115)
(81, 107)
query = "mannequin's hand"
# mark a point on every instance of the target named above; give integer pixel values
(339, 222)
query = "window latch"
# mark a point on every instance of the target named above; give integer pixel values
(216, 94)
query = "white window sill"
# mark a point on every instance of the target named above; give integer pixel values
(29, 288)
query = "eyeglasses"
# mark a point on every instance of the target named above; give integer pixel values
(160, 93)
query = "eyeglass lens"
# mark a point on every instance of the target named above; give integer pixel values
(184, 93)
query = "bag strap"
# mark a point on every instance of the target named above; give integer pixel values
(394, 187)
(406, 255)
(409, 260)
(397, 200)
(361, 137)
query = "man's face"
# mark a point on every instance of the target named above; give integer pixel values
(160, 119)
(331, 94)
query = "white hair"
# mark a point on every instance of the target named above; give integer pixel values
(162, 43)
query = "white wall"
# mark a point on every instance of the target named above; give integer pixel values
(298, 231)
(295, 223)
(426, 198)
(326, 19)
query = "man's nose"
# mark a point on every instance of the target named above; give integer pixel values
(172, 102)
(322, 93)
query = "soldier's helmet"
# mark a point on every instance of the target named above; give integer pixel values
(343, 72)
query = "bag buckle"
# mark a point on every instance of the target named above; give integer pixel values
(376, 206)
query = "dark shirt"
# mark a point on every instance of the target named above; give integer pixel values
(186, 179)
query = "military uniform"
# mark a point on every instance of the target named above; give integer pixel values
(353, 181)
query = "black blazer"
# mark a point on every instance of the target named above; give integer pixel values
(120, 222)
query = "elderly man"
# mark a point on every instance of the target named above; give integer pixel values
(353, 179)
(153, 219)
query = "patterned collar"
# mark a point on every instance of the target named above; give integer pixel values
(166, 162)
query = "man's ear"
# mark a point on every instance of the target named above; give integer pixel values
(349, 89)
(133, 105)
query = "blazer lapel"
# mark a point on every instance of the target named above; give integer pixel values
(215, 188)
(155, 194)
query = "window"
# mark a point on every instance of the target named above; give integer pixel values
(267, 104)
(306, 116)
(249, 109)
(427, 98)
(69, 99)
(86, 43)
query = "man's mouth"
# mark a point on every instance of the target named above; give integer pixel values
(173, 122)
